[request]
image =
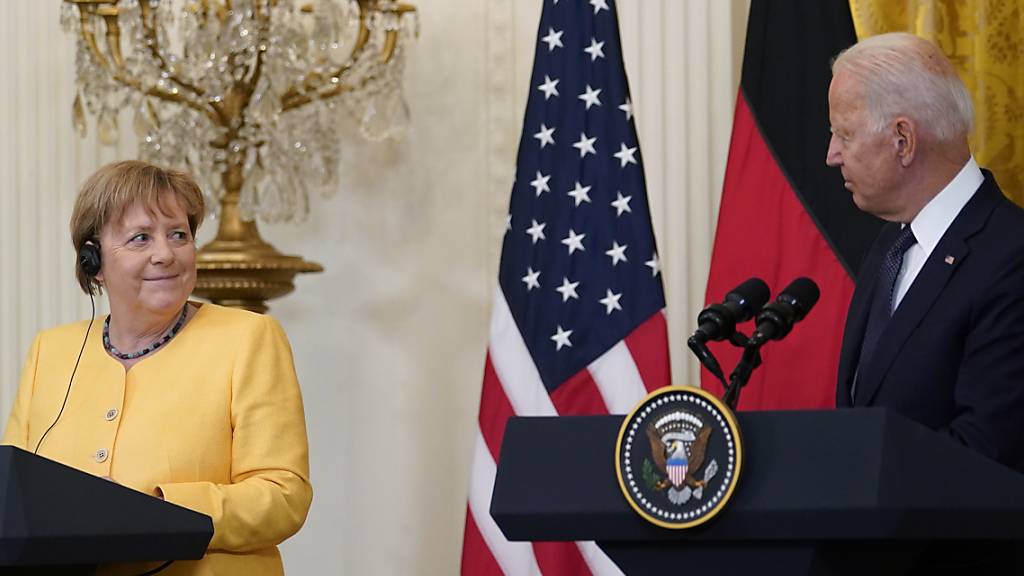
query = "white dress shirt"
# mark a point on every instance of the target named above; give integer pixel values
(932, 222)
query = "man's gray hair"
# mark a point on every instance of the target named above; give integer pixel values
(904, 75)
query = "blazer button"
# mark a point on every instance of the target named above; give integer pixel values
(111, 414)
(101, 455)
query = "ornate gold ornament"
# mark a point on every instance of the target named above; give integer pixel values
(249, 96)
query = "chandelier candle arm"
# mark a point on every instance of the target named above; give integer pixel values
(106, 10)
(153, 43)
(113, 35)
(294, 98)
(88, 34)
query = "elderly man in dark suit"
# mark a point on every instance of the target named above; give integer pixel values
(935, 329)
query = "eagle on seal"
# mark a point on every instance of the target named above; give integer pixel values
(678, 463)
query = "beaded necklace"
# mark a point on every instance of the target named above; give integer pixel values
(155, 345)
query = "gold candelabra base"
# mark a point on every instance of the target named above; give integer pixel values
(247, 276)
(247, 272)
(238, 268)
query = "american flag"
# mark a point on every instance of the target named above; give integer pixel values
(578, 324)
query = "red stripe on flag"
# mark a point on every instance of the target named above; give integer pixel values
(800, 371)
(495, 410)
(477, 559)
(560, 558)
(647, 345)
(578, 396)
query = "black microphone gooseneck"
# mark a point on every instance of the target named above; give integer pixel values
(774, 322)
(718, 321)
(92, 300)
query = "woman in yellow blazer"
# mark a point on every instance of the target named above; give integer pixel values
(193, 403)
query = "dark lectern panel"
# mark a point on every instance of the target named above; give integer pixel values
(53, 514)
(809, 475)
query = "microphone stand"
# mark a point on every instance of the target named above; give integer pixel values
(750, 360)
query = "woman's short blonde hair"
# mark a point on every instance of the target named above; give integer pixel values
(116, 187)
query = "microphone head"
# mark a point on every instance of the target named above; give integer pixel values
(802, 294)
(750, 297)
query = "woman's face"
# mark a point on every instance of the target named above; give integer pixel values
(149, 258)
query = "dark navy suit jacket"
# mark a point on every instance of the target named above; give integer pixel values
(952, 356)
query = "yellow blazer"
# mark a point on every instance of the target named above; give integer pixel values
(213, 421)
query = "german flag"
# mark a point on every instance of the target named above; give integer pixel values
(784, 213)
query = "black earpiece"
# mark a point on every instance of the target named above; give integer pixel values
(89, 258)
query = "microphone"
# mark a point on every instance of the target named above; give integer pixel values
(777, 318)
(718, 321)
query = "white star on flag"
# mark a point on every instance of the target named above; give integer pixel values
(540, 183)
(536, 231)
(654, 264)
(531, 279)
(546, 136)
(596, 49)
(626, 107)
(567, 289)
(553, 39)
(574, 241)
(561, 338)
(599, 5)
(625, 155)
(590, 97)
(611, 301)
(549, 87)
(617, 253)
(508, 223)
(580, 193)
(585, 145)
(621, 204)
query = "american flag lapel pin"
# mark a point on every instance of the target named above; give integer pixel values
(950, 259)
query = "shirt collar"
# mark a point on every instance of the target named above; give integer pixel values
(932, 221)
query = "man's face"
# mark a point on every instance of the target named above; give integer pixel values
(868, 159)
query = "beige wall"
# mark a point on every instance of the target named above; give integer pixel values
(389, 341)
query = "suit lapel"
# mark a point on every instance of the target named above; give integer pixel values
(917, 302)
(927, 286)
(857, 315)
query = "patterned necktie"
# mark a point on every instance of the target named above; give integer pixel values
(882, 303)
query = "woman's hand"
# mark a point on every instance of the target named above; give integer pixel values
(157, 492)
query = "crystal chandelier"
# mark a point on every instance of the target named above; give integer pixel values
(250, 96)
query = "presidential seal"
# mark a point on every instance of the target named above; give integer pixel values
(678, 457)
